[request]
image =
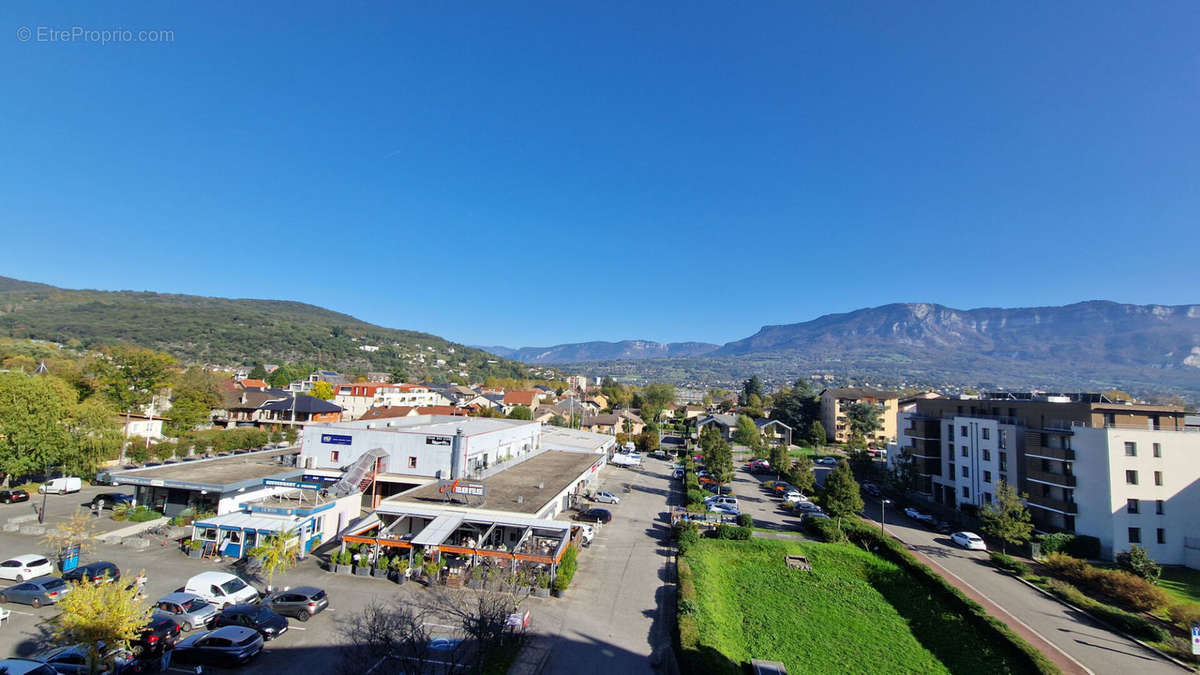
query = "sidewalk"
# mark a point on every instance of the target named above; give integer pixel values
(1054, 654)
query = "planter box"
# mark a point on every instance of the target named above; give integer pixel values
(362, 571)
(475, 583)
(342, 569)
(195, 552)
(379, 574)
(559, 594)
(541, 592)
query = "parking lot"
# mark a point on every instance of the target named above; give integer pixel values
(60, 507)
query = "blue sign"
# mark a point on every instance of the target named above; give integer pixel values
(272, 482)
(336, 439)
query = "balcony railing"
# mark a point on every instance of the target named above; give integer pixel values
(1049, 503)
(1065, 480)
(1062, 454)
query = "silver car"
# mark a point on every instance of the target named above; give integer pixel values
(187, 610)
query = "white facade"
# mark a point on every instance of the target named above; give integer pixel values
(357, 399)
(141, 426)
(420, 445)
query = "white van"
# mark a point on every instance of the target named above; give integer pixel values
(61, 486)
(221, 589)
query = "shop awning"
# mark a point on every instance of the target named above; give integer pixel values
(246, 521)
(437, 531)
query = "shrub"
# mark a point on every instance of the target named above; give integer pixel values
(687, 606)
(732, 532)
(1137, 561)
(1074, 545)
(1063, 565)
(1135, 625)
(745, 520)
(695, 496)
(824, 529)
(142, 514)
(1009, 563)
(1184, 613)
(1129, 590)
(120, 511)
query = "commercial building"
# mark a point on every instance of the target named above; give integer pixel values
(219, 484)
(1125, 473)
(836, 402)
(302, 512)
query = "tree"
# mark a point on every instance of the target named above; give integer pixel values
(101, 617)
(279, 553)
(747, 433)
(322, 390)
(780, 460)
(32, 435)
(816, 434)
(1138, 561)
(648, 440)
(383, 632)
(398, 375)
(558, 421)
(718, 459)
(96, 436)
(520, 412)
(77, 531)
(904, 474)
(197, 393)
(864, 418)
(840, 495)
(258, 372)
(1006, 518)
(134, 375)
(751, 387)
(802, 475)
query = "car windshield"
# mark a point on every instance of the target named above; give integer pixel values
(193, 604)
(53, 584)
(233, 585)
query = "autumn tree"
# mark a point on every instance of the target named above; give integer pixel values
(134, 375)
(77, 531)
(322, 390)
(1006, 518)
(103, 618)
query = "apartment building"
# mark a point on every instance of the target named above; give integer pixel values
(1125, 473)
(835, 402)
(359, 397)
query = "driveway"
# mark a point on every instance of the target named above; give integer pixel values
(1087, 642)
(615, 617)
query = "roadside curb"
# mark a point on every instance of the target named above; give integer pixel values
(1093, 617)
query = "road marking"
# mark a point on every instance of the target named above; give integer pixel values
(296, 628)
(15, 611)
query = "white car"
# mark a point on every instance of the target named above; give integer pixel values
(23, 567)
(587, 533)
(827, 461)
(606, 497)
(721, 499)
(221, 589)
(917, 515)
(969, 541)
(794, 497)
(723, 509)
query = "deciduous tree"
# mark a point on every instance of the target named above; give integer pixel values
(747, 434)
(102, 618)
(840, 495)
(32, 433)
(816, 434)
(322, 390)
(134, 375)
(520, 412)
(864, 418)
(1006, 518)
(802, 475)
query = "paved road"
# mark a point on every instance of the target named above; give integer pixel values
(1090, 644)
(615, 618)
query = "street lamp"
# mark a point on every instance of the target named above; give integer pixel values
(882, 503)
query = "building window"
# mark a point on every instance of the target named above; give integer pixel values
(1131, 506)
(965, 473)
(412, 462)
(987, 497)
(1131, 478)
(987, 455)
(1004, 461)
(987, 476)
(1162, 535)
(949, 431)
(1003, 442)
(964, 431)
(966, 493)
(333, 455)
(1158, 507)
(1045, 490)
(1157, 478)
(965, 452)
(1130, 449)
(1045, 465)
(1135, 535)
(1158, 449)
(986, 433)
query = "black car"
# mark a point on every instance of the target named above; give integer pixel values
(97, 572)
(300, 603)
(13, 496)
(227, 646)
(595, 515)
(107, 500)
(266, 622)
(159, 634)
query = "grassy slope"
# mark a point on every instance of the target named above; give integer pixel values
(854, 613)
(1181, 583)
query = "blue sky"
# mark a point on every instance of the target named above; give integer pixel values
(536, 173)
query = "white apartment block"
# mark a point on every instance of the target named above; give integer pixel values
(1126, 474)
(356, 399)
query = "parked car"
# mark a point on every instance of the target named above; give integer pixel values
(228, 646)
(36, 592)
(267, 622)
(781, 488)
(760, 468)
(221, 588)
(61, 485)
(794, 497)
(25, 667)
(940, 526)
(594, 515)
(825, 461)
(107, 500)
(969, 541)
(916, 515)
(719, 499)
(807, 507)
(97, 572)
(304, 602)
(677, 474)
(816, 514)
(719, 489)
(606, 497)
(724, 509)
(871, 489)
(186, 609)
(13, 496)
(27, 566)
(73, 660)
(160, 633)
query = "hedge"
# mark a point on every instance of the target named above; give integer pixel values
(890, 549)
(1074, 545)
(732, 532)
(1129, 590)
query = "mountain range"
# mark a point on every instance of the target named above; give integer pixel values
(603, 351)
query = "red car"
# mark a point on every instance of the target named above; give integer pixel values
(13, 496)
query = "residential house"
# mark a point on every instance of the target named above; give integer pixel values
(529, 399)
(144, 426)
(252, 383)
(835, 402)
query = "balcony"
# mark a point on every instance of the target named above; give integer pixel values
(1054, 504)
(1061, 454)
(1065, 480)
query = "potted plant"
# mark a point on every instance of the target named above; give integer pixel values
(541, 587)
(195, 548)
(477, 578)
(341, 560)
(399, 569)
(432, 569)
(560, 585)
(380, 571)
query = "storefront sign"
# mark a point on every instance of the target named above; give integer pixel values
(438, 440)
(456, 487)
(272, 482)
(336, 439)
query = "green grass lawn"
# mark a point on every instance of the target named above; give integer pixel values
(854, 612)
(1181, 583)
